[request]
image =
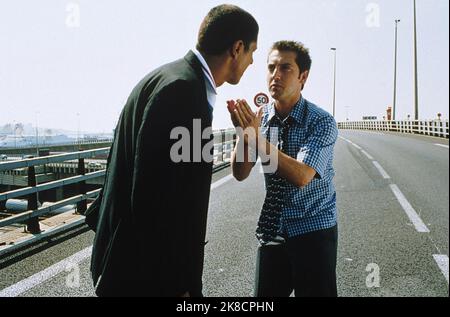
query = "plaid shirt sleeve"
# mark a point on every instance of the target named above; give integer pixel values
(319, 148)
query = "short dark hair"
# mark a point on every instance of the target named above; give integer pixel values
(223, 26)
(303, 59)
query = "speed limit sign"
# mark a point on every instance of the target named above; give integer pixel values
(261, 99)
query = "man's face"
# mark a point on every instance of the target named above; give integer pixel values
(243, 60)
(283, 75)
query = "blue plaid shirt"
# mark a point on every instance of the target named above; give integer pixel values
(311, 140)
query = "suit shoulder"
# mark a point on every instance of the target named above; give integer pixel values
(178, 74)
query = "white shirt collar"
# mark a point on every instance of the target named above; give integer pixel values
(206, 70)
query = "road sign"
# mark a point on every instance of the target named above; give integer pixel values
(261, 99)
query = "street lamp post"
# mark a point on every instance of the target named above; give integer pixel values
(78, 130)
(334, 83)
(14, 128)
(395, 73)
(416, 93)
(37, 135)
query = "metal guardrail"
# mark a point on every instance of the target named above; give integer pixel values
(32, 190)
(5, 166)
(436, 128)
(45, 145)
(224, 141)
(50, 185)
(30, 214)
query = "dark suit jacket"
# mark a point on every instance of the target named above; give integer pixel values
(151, 223)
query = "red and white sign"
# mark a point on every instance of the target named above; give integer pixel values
(261, 99)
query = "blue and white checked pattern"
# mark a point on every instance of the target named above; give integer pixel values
(311, 139)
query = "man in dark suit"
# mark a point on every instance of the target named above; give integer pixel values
(150, 219)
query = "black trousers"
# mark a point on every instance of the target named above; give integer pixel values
(305, 264)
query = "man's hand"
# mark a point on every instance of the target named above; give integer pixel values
(243, 117)
(231, 105)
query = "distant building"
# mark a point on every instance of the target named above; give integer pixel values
(367, 118)
(389, 113)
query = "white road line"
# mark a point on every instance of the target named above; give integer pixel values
(38, 278)
(368, 155)
(346, 140)
(442, 262)
(442, 145)
(359, 148)
(381, 170)
(377, 133)
(221, 181)
(410, 212)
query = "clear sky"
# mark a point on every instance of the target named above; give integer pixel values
(60, 58)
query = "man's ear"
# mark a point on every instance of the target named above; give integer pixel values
(237, 49)
(304, 77)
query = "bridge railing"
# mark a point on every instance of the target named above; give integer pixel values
(50, 144)
(31, 216)
(436, 128)
(224, 141)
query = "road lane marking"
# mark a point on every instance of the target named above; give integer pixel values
(368, 155)
(442, 145)
(410, 212)
(442, 262)
(354, 144)
(346, 140)
(381, 170)
(38, 278)
(221, 181)
(359, 148)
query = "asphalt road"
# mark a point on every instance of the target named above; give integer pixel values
(393, 202)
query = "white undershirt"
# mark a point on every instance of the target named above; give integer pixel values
(211, 88)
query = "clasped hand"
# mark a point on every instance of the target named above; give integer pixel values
(246, 121)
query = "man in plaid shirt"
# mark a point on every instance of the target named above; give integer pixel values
(297, 229)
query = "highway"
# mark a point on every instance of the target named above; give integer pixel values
(393, 201)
